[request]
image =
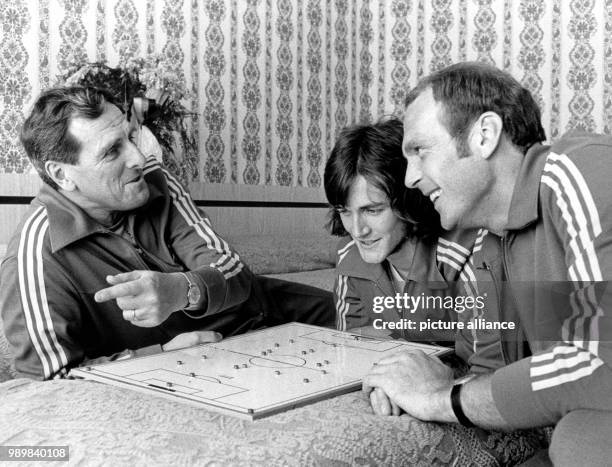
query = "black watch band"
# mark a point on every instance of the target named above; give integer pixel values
(457, 409)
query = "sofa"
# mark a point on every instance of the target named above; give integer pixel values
(107, 425)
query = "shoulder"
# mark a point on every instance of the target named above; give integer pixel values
(344, 246)
(460, 240)
(154, 173)
(32, 234)
(455, 247)
(580, 155)
(577, 172)
(32, 231)
(348, 259)
(577, 144)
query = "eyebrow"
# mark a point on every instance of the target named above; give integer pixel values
(374, 205)
(125, 130)
(366, 206)
(114, 142)
(416, 141)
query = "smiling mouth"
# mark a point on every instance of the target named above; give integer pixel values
(136, 179)
(368, 243)
(435, 195)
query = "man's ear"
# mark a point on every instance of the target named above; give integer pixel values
(486, 134)
(60, 174)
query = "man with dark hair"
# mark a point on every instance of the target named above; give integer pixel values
(374, 151)
(114, 257)
(472, 138)
(387, 226)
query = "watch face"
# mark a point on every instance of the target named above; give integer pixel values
(193, 295)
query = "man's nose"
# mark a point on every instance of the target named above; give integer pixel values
(360, 226)
(414, 172)
(136, 158)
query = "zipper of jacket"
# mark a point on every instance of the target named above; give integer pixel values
(505, 263)
(141, 253)
(504, 245)
(144, 253)
(486, 267)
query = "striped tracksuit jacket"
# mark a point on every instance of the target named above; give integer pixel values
(557, 262)
(59, 258)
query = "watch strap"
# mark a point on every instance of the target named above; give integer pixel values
(456, 406)
(190, 286)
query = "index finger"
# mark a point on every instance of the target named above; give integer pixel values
(372, 381)
(401, 355)
(123, 277)
(120, 290)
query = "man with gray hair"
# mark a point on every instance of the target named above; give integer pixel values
(114, 258)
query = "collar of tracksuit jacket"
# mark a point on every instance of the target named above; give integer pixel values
(413, 256)
(69, 223)
(525, 197)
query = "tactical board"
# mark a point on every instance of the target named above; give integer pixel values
(259, 373)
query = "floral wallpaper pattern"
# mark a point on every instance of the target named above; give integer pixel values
(273, 81)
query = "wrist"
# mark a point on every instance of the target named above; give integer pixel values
(443, 411)
(193, 295)
(457, 407)
(180, 291)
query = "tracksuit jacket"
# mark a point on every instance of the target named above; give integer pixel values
(553, 272)
(59, 258)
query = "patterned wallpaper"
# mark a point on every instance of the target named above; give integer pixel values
(274, 80)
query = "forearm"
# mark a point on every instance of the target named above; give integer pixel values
(219, 292)
(523, 402)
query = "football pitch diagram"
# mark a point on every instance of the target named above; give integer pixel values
(259, 373)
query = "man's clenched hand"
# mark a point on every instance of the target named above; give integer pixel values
(147, 298)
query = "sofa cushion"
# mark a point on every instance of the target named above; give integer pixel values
(321, 278)
(7, 367)
(275, 254)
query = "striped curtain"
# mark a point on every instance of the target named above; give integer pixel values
(273, 81)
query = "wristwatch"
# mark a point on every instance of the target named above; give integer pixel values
(193, 292)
